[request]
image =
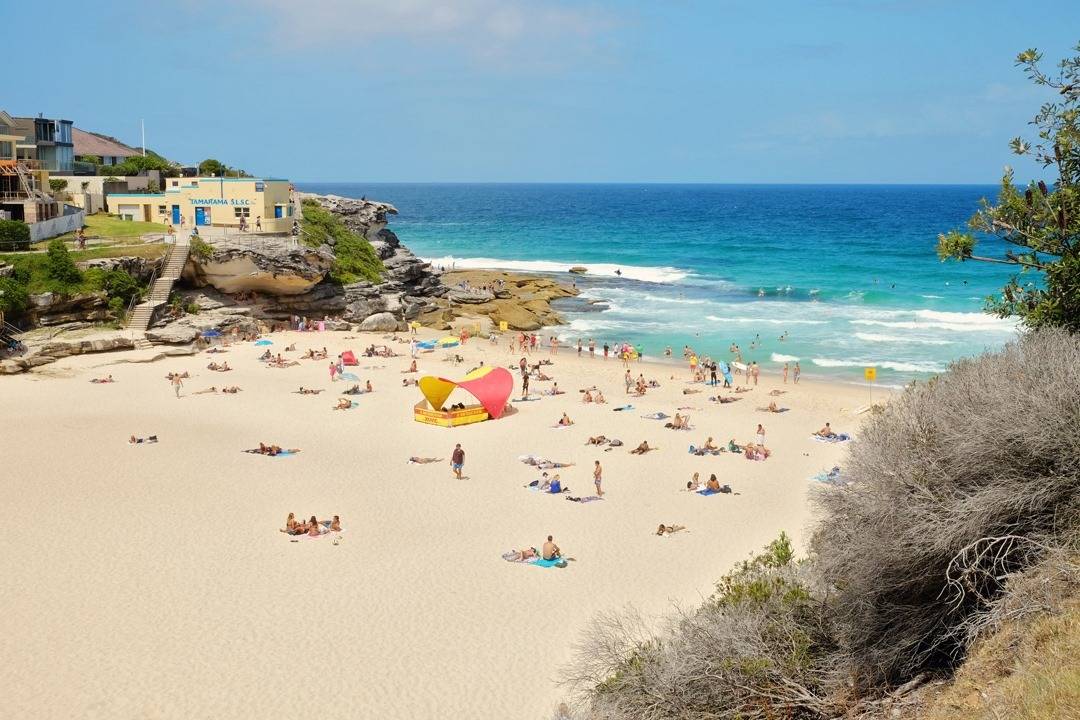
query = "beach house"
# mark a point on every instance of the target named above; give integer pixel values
(23, 182)
(263, 203)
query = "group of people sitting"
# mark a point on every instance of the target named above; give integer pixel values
(278, 362)
(313, 527)
(549, 485)
(379, 351)
(712, 484)
(357, 390)
(756, 451)
(598, 398)
(549, 551)
(264, 449)
(315, 354)
(223, 367)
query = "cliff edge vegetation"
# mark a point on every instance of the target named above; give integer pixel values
(354, 257)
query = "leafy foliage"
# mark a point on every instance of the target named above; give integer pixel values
(14, 235)
(210, 166)
(57, 184)
(14, 298)
(1040, 222)
(139, 163)
(201, 248)
(59, 265)
(355, 259)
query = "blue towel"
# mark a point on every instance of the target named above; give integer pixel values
(708, 492)
(541, 562)
(283, 453)
(348, 376)
(264, 342)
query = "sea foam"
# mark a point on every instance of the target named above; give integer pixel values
(631, 272)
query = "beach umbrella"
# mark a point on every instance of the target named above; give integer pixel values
(265, 342)
(448, 342)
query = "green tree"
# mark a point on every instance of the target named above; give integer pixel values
(58, 264)
(57, 185)
(1039, 223)
(210, 166)
(14, 235)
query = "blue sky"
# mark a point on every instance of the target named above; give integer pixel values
(917, 91)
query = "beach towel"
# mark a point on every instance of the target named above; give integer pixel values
(525, 399)
(263, 342)
(624, 407)
(553, 562)
(706, 492)
(586, 499)
(349, 376)
(656, 416)
(840, 437)
(702, 451)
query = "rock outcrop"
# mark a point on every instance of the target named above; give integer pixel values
(51, 309)
(50, 351)
(273, 268)
(139, 268)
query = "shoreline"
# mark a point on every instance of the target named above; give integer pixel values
(391, 602)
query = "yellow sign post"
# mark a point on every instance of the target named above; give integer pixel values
(870, 374)
(503, 326)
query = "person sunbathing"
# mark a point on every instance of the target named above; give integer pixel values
(565, 421)
(209, 390)
(412, 368)
(232, 389)
(551, 550)
(743, 389)
(599, 399)
(266, 355)
(694, 484)
(265, 449)
(406, 382)
(522, 555)
(690, 391)
(598, 440)
(335, 524)
(354, 390)
(139, 441)
(344, 404)
(367, 387)
(308, 391)
(826, 432)
(709, 445)
(415, 460)
(290, 525)
(587, 397)
(224, 367)
(753, 451)
(773, 408)
(678, 423)
(102, 381)
(713, 484)
(642, 448)
(725, 399)
(314, 529)
(291, 348)
(669, 529)
(776, 393)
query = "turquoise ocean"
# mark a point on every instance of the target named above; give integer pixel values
(847, 274)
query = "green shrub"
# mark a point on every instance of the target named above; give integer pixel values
(355, 259)
(192, 308)
(201, 249)
(59, 265)
(14, 298)
(117, 306)
(14, 235)
(57, 184)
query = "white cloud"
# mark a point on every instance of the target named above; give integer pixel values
(509, 30)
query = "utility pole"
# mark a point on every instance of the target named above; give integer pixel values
(142, 124)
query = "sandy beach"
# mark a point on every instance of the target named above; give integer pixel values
(151, 580)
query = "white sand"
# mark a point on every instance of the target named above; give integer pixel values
(151, 581)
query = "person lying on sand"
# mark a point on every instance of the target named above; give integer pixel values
(826, 432)
(642, 448)
(743, 389)
(264, 449)
(102, 381)
(565, 421)
(773, 408)
(529, 553)
(231, 390)
(354, 390)
(776, 393)
(406, 382)
(690, 391)
(725, 399)
(215, 351)
(344, 404)
(415, 460)
(669, 529)
(139, 441)
(694, 484)
(307, 391)
(598, 440)
(208, 391)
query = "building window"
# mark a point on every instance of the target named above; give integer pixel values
(161, 209)
(242, 212)
(279, 211)
(174, 183)
(260, 187)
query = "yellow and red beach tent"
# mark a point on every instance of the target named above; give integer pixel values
(490, 385)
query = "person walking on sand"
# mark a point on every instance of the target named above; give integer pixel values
(798, 372)
(333, 372)
(597, 477)
(756, 369)
(177, 384)
(457, 460)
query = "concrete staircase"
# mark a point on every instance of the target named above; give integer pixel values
(175, 260)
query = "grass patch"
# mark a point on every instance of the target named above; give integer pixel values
(355, 259)
(111, 226)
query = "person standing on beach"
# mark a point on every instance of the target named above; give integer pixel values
(597, 477)
(457, 460)
(756, 371)
(524, 385)
(606, 349)
(333, 372)
(592, 348)
(785, 373)
(258, 223)
(579, 347)
(712, 373)
(177, 384)
(798, 372)
(628, 381)
(761, 435)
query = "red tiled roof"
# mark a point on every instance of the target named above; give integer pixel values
(88, 143)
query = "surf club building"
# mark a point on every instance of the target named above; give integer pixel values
(212, 202)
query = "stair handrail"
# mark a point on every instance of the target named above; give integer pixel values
(150, 286)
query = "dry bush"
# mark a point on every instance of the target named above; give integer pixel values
(759, 648)
(962, 483)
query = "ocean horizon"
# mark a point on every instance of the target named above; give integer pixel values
(846, 275)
